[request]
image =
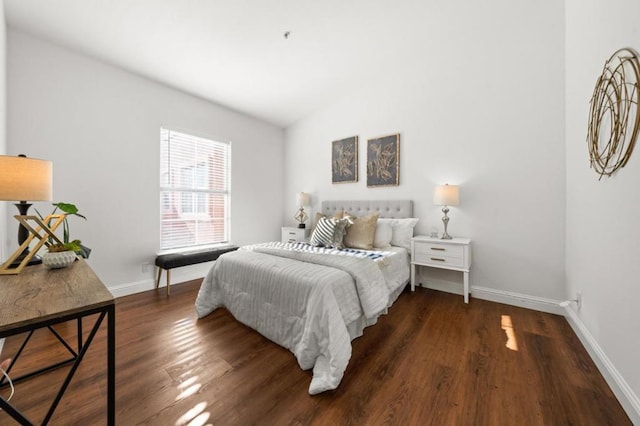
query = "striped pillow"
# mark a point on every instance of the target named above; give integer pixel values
(324, 232)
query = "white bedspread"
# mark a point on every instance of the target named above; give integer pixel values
(305, 305)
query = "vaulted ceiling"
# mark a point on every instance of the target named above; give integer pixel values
(277, 60)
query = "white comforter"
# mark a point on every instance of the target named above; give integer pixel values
(308, 305)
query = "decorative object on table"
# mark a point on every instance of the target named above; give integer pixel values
(67, 244)
(42, 229)
(58, 257)
(383, 161)
(614, 119)
(302, 199)
(344, 160)
(445, 195)
(24, 179)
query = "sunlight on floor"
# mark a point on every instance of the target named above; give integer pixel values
(507, 326)
(195, 416)
(184, 334)
(189, 391)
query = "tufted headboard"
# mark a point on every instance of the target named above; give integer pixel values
(393, 209)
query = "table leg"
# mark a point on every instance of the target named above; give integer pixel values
(466, 287)
(13, 412)
(111, 366)
(413, 277)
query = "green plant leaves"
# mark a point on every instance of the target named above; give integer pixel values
(69, 208)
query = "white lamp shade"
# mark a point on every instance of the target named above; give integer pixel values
(446, 195)
(303, 199)
(25, 179)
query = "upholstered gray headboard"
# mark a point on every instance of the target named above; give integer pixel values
(394, 209)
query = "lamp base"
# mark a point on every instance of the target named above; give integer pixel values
(445, 221)
(35, 260)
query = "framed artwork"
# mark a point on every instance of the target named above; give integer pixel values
(383, 161)
(344, 160)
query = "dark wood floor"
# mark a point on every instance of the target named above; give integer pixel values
(431, 360)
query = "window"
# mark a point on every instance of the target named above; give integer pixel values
(194, 190)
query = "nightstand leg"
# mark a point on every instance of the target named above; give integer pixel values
(466, 287)
(413, 277)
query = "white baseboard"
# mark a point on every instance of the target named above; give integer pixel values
(517, 299)
(499, 296)
(132, 288)
(627, 398)
(178, 275)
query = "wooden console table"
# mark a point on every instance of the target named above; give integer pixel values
(39, 297)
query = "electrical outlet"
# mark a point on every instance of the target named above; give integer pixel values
(579, 300)
(146, 266)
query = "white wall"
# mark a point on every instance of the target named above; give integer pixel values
(603, 228)
(100, 127)
(481, 105)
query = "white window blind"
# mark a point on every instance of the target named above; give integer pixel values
(194, 191)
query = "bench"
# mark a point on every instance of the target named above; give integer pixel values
(169, 261)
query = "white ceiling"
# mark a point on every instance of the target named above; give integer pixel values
(233, 52)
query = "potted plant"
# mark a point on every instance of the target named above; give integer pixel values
(61, 255)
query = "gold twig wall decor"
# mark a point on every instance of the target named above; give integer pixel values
(614, 119)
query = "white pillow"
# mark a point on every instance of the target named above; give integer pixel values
(402, 231)
(383, 235)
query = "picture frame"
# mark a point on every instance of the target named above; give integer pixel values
(344, 160)
(383, 161)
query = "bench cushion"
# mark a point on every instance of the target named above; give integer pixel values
(176, 260)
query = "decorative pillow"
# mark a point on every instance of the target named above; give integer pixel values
(360, 234)
(329, 232)
(338, 215)
(402, 231)
(383, 235)
(323, 232)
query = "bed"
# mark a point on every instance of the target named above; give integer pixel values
(315, 300)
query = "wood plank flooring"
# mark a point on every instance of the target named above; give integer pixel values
(431, 361)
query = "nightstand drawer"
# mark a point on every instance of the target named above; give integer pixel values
(438, 254)
(439, 260)
(438, 250)
(291, 235)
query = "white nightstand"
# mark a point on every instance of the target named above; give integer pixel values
(290, 235)
(452, 254)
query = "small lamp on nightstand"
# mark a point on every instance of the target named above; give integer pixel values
(445, 195)
(302, 199)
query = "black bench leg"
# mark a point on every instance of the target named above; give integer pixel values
(158, 280)
(168, 279)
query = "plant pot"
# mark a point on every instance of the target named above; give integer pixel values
(59, 259)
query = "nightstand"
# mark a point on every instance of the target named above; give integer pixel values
(291, 235)
(454, 254)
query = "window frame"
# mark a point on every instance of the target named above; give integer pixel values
(172, 196)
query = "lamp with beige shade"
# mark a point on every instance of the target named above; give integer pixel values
(446, 195)
(24, 179)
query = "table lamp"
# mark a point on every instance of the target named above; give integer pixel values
(25, 179)
(445, 195)
(302, 199)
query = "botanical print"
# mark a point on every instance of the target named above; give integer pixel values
(344, 160)
(383, 161)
